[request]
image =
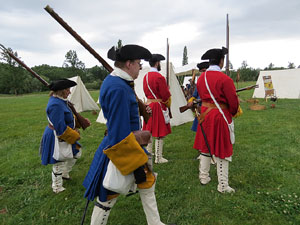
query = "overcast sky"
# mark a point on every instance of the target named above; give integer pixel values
(261, 31)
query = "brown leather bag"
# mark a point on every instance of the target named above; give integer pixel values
(142, 136)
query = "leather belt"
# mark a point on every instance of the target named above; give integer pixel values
(213, 105)
(149, 100)
(209, 106)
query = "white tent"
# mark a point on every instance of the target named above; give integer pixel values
(178, 98)
(186, 69)
(285, 83)
(80, 97)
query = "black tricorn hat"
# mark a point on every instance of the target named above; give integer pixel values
(128, 52)
(156, 58)
(61, 84)
(203, 65)
(215, 54)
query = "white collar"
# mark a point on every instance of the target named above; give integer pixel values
(121, 73)
(214, 68)
(56, 96)
(153, 69)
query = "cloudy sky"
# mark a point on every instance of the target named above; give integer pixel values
(261, 31)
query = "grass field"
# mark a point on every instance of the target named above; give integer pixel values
(265, 171)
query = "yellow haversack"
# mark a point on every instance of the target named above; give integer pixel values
(127, 155)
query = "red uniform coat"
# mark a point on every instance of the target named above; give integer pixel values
(214, 125)
(156, 124)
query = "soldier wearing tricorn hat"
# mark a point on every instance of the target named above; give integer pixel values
(61, 134)
(120, 108)
(219, 104)
(159, 99)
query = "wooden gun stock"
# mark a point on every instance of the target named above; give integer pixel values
(184, 108)
(247, 88)
(189, 105)
(83, 122)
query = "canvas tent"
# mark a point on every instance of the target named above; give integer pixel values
(80, 97)
(178, 98)
(285, 83)
(186, 70)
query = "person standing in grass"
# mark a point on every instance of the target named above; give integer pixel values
(61, 132)
(202, 68)
(120, 108)
(159, 99)
(215, 127)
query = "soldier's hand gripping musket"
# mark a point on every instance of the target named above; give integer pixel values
(142, 106)
(193, 104)
(83, 122)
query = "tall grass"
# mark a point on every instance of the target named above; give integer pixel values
(264, 171)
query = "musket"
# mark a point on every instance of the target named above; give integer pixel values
(168, 72)
(81, 120)
(197, 101)
(189, 106)
(247, 88)
(204, 135)
(193, 85)
(227, 45)
(142, 106)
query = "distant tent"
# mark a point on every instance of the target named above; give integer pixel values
(80, 97)
(186, 70)
(178, 98)
(285, 83)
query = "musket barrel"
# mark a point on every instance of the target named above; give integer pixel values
(78, 38)
(27, 68)
(142, 106)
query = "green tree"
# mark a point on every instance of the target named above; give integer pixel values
(291, 65)
(244, 65)
(73, 61)
(13, 77)
(271, 66)
(119, 45)
(185, 57)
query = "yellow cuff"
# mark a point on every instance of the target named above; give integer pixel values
(70, 136)
(127, 155)
(239, 112)
(191, 99)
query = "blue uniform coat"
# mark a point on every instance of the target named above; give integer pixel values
(120, 108)
(60, 116)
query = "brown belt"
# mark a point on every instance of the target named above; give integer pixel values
(209, 106)
(149, 100)
(213, 105)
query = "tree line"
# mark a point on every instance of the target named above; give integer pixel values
(14, 79)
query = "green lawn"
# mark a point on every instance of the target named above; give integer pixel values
(264, 171)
